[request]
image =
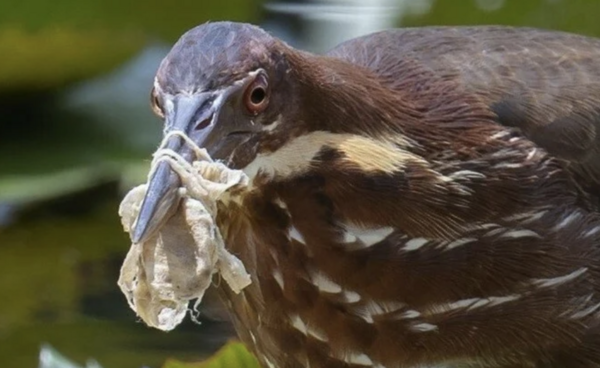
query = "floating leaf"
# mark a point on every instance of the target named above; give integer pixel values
(232, 355)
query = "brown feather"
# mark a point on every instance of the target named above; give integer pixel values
(545, 83)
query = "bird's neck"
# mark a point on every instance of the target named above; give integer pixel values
(341, 97)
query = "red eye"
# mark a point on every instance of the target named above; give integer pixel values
(256, 97)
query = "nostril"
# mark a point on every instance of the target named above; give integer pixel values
(203, 124)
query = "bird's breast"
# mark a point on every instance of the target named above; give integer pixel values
(328, 292)
(305, 307)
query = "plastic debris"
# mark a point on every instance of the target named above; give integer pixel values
(162, 274)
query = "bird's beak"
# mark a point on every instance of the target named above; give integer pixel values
(193, 115)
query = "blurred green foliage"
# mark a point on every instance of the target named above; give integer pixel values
(55, 56)
(232, 355)
(159, 17)
(45, 44)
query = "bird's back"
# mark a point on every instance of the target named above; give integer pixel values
(545, 83)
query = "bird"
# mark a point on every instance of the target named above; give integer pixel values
(417, 197)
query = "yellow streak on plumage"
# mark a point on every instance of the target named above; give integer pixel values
(372, 155)
(298, 155)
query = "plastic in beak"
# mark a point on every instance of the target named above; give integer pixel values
(162, 198)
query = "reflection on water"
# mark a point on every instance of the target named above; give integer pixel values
(6, 214)
(51, 358)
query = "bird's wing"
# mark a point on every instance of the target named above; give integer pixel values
(547, 84)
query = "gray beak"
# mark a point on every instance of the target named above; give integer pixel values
(194, 115)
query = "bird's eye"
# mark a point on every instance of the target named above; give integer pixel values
(256, 97)
(156, 104)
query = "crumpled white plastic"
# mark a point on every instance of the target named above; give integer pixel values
(161, 275)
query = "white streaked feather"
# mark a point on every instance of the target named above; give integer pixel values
(278, 278)
(296, 235)
(556, 281)
(414, 244)
(367, 236)
(371, 309)
(356, 358)
(566, 221)
(351, 296)
(521, 233)
(471, 303)
(459, 242)
(324, 283)
(423, 327)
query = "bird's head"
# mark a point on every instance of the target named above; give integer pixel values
(226, 86)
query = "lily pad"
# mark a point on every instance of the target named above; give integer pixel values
(232, 355)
